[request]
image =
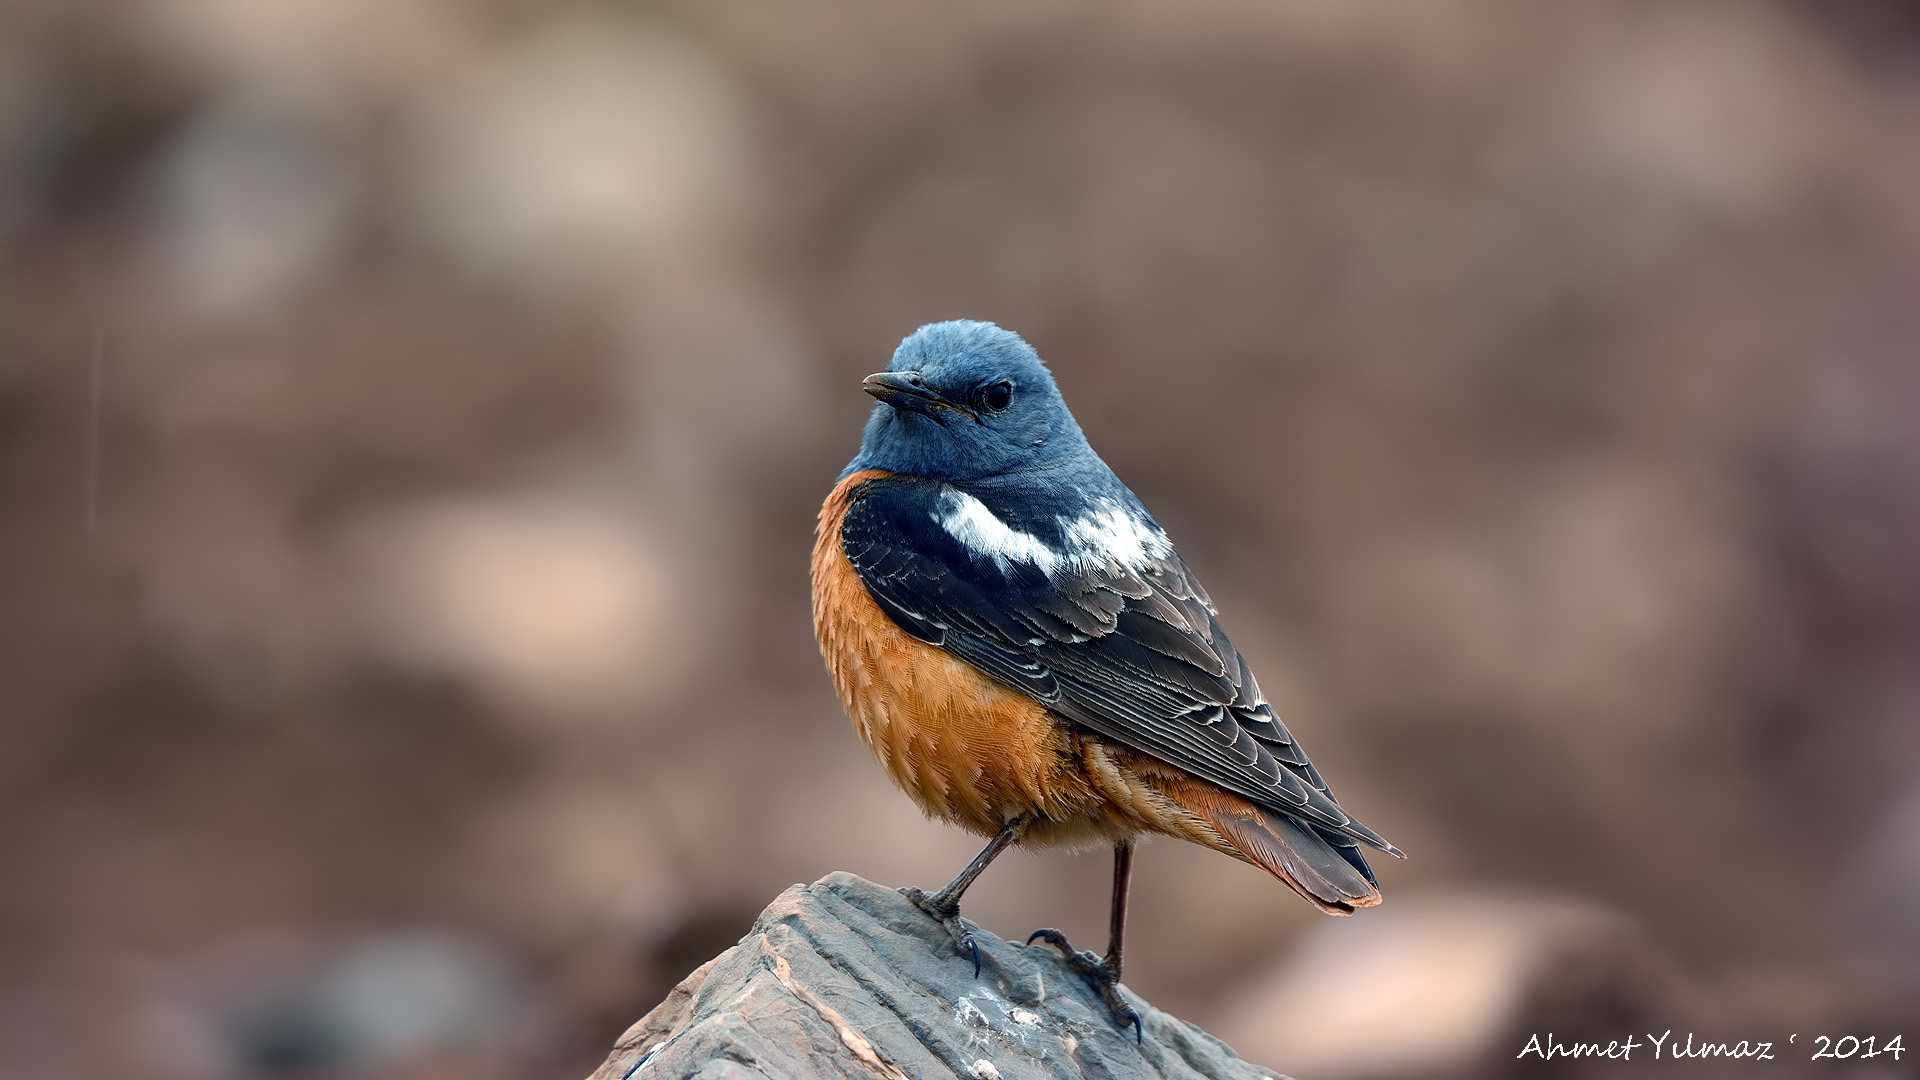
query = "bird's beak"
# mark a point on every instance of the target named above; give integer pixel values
(905, 390)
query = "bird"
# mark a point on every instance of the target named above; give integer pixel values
(1027, 656)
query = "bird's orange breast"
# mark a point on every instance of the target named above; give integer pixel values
(966, 748)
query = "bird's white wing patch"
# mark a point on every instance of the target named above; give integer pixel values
(1111, 536)
(1108, 537)
(969, 521)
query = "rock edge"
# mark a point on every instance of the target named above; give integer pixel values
(846, 978)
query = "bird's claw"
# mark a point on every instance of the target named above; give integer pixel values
(1098, 974)
(948, 914)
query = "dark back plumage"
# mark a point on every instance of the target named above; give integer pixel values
(1132, 650)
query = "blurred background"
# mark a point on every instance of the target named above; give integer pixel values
(412, 420)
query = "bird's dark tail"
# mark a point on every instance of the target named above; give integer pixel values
(1319, 864)
(1321, 867)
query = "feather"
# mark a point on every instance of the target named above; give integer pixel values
(1326, 870)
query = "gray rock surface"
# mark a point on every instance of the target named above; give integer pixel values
(845, 978)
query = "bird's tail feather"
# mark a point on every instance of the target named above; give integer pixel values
(1327, 869)
(1299, 855)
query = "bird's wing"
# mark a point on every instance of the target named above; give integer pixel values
(1136, 655)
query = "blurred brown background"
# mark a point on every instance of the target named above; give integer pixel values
(412, 419)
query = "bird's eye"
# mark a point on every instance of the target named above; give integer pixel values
(997, 397)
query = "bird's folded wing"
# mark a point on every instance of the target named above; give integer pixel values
(1133, 653)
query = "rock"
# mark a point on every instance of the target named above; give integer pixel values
(845, 978)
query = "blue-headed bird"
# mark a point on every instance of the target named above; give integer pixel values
(1020, 646)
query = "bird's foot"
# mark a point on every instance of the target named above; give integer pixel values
(1098, 973)
(948, 913)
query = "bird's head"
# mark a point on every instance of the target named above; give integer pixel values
(966, 400)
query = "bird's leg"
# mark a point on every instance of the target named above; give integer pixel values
(1117, 921)
(1103, 974)
(945, 904)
